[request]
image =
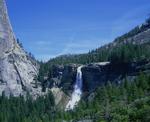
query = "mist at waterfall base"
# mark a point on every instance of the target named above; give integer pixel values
(76, 95)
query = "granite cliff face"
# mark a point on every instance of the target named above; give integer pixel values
(17, 71)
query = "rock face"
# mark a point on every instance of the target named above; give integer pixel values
(95, 75)
(63, 76)
(69, 77)
(61, 99)
(17, 72)
(61, 83)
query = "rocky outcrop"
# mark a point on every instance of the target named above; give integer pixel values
(17, 72)
(138, 39)
(63, 77)
(61, 99)
(95, 75)
(69, 77)
(61, 81)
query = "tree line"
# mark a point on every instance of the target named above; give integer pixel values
(126, 102)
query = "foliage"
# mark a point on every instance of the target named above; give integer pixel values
(17, 109)
(126, 102)
(120, 54)
(114, 52)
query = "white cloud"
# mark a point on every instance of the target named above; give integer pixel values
(43, 43)
(82, 46)
(45, 57)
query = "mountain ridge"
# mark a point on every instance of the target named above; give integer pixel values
(138, 35)
(61, 71)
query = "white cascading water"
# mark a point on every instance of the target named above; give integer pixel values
(76, 95)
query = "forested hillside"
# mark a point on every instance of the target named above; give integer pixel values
(105, 52)
(127, 102)
(125, 48)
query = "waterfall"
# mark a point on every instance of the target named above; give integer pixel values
(76, 95)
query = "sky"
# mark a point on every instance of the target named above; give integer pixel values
(49, 28)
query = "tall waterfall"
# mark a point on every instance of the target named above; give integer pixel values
(76, 95)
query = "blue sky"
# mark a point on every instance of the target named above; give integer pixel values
(49, 28)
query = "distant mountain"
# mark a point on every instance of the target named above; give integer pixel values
(128, 55)
(140, 35)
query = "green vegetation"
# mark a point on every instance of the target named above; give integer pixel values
(120, 54)
(17, 109)
(127, 102)
(135, 31)
(104, 53)
(129, 53)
